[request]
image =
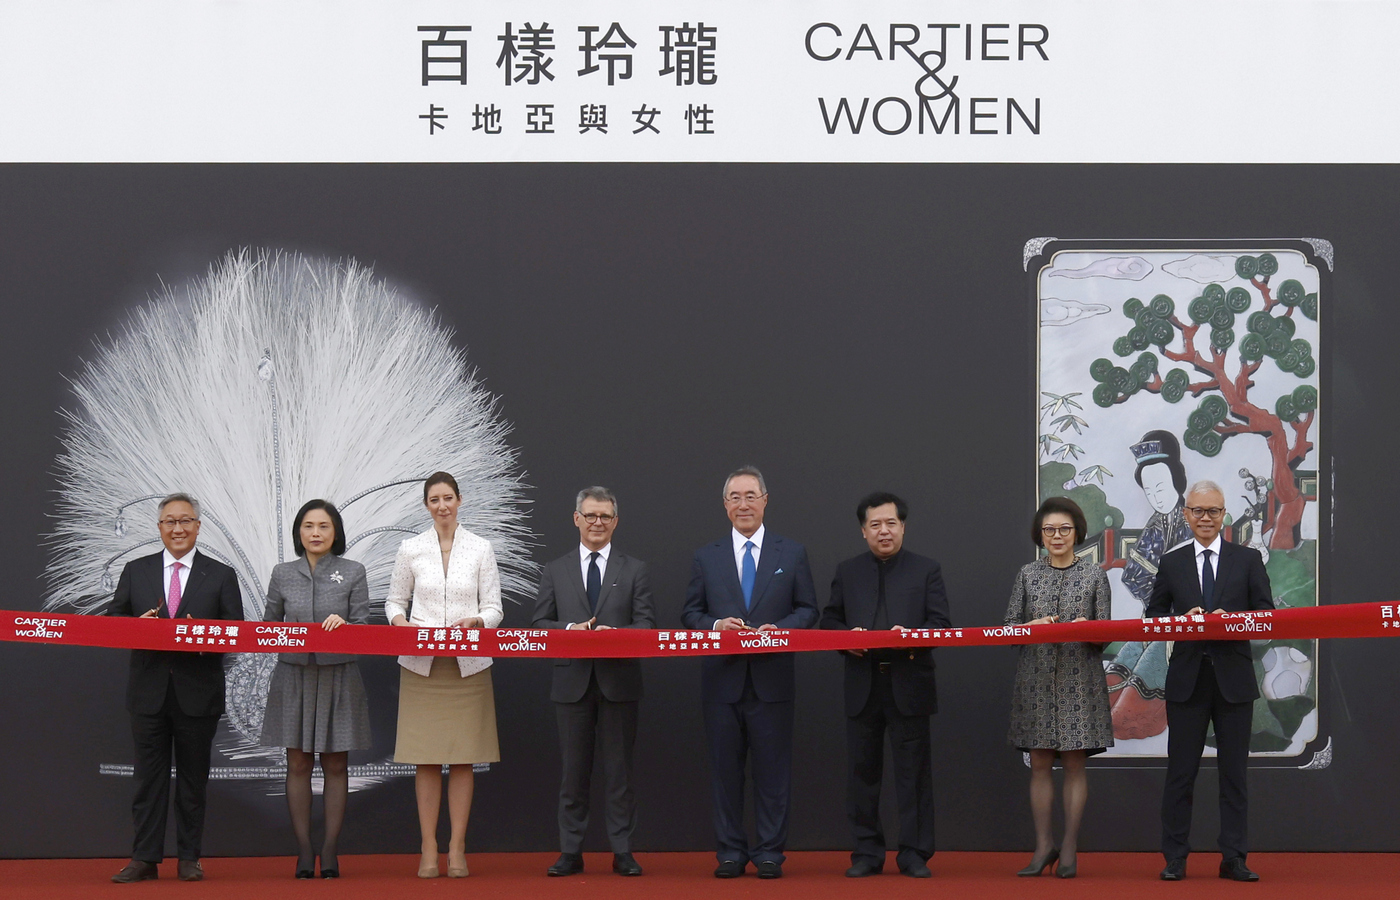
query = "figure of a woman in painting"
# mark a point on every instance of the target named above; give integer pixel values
(1137, 676)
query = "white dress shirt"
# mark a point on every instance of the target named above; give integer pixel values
(1214, 548)
(739, 541)
(584, 553)
(169, 561)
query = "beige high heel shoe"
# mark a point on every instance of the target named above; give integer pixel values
(428, 866)
(454, 870)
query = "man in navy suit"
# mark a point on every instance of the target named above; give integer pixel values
(594, 588)
(1208, 681)
(751, 580)
(174, 697)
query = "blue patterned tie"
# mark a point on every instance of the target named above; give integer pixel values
(1207, 582)
(750, 573)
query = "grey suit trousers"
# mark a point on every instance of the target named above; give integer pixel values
(615, 726)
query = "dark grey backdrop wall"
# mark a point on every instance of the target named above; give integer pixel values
(649, 327)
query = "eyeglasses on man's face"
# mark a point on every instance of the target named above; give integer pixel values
(170, 524)
(595, 518)
(1205, 512)
(749, 497)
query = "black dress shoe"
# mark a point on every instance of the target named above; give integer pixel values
(916, 870)
(191, 870)
(862, 868)
(624, 864)
(567, 864)
(136, 870)
(1175, 870)
(729, 868)
(1236, 870)
(769, 869)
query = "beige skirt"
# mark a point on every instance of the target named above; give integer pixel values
(445, 718)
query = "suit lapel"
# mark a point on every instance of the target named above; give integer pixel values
(724, 557)
(199, 567)
(580, 591)
(610, 574)
(767, 562)
(1193, 575)
(1227, 555)
(154, 575)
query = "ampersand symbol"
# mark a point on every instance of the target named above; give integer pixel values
(947, 87)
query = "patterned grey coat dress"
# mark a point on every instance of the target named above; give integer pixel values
(1060, 701)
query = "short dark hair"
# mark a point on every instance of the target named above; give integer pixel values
(880, 498)
(1060, 505)
(337, 544)
(439, 478)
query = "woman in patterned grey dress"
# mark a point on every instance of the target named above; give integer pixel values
(1060, 703)
(316, 702)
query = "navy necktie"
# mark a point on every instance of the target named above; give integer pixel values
(595, 581)
(1207, 581)
(750, 574)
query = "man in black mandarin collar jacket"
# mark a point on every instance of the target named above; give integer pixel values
(888, 689)
(174, 698)
(1208, 681)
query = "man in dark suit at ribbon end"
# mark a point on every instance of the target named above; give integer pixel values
(175, 698)
(1208, 681)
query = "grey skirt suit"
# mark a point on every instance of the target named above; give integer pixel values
(316, 701)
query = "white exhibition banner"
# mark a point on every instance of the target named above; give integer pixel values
(1230, 81)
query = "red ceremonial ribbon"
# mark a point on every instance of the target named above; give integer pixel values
(1352, 620)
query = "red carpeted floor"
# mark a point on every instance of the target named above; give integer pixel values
(677, 876)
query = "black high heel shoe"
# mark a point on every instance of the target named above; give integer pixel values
(1068, 871)
(1039, 865)
(332, 870)
(306, 868)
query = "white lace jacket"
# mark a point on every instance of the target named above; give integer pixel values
(472, 587)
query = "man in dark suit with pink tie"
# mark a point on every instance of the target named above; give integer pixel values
(174, 698)
(755, 580)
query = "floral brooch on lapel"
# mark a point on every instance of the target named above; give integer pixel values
(337, 577)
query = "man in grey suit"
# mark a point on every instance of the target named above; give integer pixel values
(596, 588)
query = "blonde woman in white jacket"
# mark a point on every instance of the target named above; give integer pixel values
(445, 577)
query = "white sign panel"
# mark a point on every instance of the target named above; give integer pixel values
(541, 80)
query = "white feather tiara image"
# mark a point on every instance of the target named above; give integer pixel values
(275, 379)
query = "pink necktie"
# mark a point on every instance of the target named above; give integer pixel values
(172, 603)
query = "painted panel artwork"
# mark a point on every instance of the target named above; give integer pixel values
(1159, 368)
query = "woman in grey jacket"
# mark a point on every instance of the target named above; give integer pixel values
(316, 702)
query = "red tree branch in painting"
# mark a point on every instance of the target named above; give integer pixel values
(1227, 409)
